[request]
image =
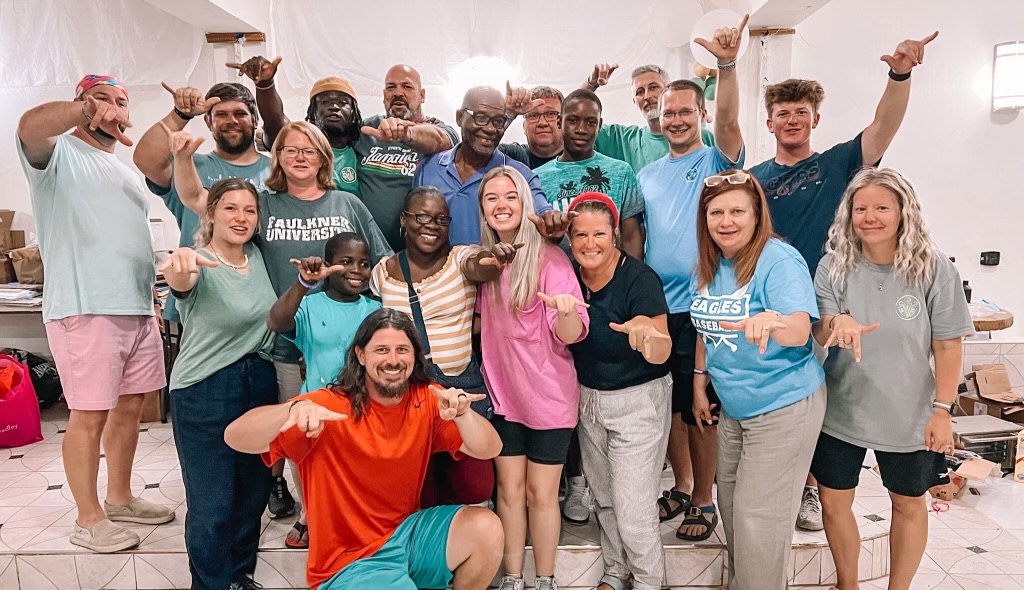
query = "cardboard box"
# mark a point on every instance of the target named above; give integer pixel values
(28, 265)
(973, 405)
(992, 382)
(150, 407)
(6, 270)
(6, 218)
(949, 490)
(11, 239)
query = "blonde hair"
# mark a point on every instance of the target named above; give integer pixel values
(204, 232)
(915, 251)
(524, 272)
(324, 176)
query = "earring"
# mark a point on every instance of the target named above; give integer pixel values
(401, 231)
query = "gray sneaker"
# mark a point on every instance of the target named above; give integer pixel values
(576, 508)
(809, 517)
(139, 511)
(104, 537)
(512, 583)
(546, 583)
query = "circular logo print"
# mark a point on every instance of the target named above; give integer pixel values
(348, 174)
(908, 307)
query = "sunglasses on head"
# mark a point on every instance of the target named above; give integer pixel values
(734, 178)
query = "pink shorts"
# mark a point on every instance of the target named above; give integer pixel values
(102, 357)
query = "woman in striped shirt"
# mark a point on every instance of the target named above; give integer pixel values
(444, 279)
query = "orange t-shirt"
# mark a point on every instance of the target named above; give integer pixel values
(361, 479)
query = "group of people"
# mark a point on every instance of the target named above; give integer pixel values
(569, 310)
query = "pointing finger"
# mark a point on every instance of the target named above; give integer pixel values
(733, 326)
(870, 329)
(929, 38)
(743, 23)
(235, 66)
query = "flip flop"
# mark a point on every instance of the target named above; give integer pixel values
(303, 542)
(696, 517)
(674, 495)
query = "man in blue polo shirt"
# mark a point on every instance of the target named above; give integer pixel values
(457, 172)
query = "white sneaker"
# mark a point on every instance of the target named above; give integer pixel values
(576, 508)
(546, 583)
(512, 583)
(809, 517)
(104, 537)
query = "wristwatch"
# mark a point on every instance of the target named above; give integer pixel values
(943, 405)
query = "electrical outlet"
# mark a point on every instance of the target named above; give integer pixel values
(990, 258)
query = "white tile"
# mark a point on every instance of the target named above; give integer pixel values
(288, 565)
(159, 571)
(934, 582)
(36, 517)
(983, 582)
(867, 550)
(1008, 562)
(8, 573)
(686, 566)
(576, 567)
(828, 568)
(47, 572)
(167, 537)
(273, 536)
(806, 565)
(101, 572)
(928, 566)
(50, 539)
(976, 564)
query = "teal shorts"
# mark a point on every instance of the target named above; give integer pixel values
(414, 557)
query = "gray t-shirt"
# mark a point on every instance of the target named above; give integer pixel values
(224, 318)
(884, 401)
(294, 228)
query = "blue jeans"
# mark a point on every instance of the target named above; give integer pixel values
(226, 491)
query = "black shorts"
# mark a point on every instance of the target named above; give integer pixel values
(837, 465)
(684, 347)
(546, 447)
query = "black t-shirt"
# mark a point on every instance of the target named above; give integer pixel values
(522, 153)
(604, 359)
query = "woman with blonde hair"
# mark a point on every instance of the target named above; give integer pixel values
(890, 303)
(299, 212)
(753, 305)
(529, 317)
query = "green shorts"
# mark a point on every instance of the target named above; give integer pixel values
(414, 557)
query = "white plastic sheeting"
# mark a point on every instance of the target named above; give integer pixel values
(56, 42)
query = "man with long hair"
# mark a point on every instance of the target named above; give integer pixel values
(362, 446)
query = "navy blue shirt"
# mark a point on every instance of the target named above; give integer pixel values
(803, 198)
(439, 171)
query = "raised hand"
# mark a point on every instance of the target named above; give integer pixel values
(564, 303)
(189, 100)
(725, 43)
(501, 254)
(391, 129)
(313, 269)
(641, 333)
(106, 117)
(181, 143)
(186, 261)
(553, 224)
(757, 328)
(517, 100)
(846, 333)
(310, 418)
(602, 72)
(258, 69)
(908, 54)
(452, 403)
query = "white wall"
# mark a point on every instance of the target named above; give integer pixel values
(964, 161)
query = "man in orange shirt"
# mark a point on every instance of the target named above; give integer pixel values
(362, 448)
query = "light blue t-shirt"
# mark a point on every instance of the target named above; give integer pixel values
(324, 329)
(92, 219)
(750, 383)
(672, 187)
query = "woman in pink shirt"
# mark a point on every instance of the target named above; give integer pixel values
(528, 319)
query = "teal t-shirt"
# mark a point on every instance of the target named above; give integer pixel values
(345, 176)
(224, 318)
(564, 181)
(92, 221)
(324, 330)
(211, 168)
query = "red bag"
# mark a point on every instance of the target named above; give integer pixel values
(19, 408)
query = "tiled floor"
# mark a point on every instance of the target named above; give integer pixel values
(978, 544)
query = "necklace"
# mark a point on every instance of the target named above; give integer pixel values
(244, 264)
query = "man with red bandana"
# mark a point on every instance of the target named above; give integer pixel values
(91, 215)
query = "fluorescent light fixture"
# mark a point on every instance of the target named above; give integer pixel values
(1008, 77)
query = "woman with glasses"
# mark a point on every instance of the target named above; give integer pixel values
(436, 283)
(299, 212)
(753, 306)
(890, 305)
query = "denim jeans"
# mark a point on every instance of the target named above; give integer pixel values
(226, 491)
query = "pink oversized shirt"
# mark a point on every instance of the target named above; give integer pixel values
(529, 372)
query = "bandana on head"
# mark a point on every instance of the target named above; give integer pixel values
(92, 80)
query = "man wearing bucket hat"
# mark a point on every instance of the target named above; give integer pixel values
(92, 217)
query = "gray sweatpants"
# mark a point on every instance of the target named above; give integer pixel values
(762, 466)
(623, 438)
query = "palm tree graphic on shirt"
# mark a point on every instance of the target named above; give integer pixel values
(595, 180)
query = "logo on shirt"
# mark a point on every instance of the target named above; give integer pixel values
(348, 174)
(908, 307)
(310, 229)
(782, 186)
(691, 174)
(707, 311)
(402, 162)
(593, 180)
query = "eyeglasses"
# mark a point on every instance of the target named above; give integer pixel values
(734, 178)
(548, 116)
(291, 152)
(424, 219)
(481, 119)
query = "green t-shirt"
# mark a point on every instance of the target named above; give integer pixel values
(345, 176)
(224, 318)
(636, 145)
(563, 181)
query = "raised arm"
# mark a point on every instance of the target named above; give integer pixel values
(486, 265)
(152, 155)
(186, 177)
(725, 46)
(182, 268)
(479, 439)
(599, 77)
(893, 105)
(262, 71)
(254, 431)
(425, 138)
(39, 127)
(312, 270)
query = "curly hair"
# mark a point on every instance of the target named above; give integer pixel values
(915, 251)
(794, 90)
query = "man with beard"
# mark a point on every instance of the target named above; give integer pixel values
(375, 158)
(543, 133)
(484, 116)
(229, 112)
(91, 215)
(362, 447)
